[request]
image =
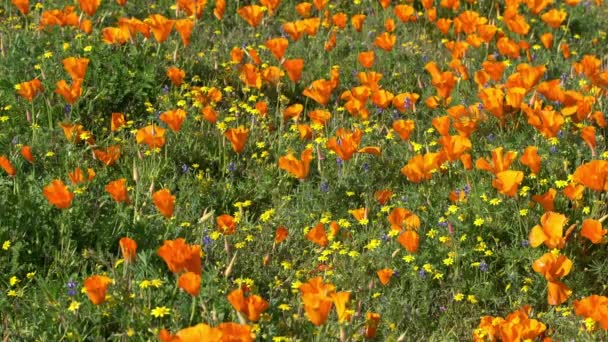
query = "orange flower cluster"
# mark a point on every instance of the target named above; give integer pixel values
(517, 326)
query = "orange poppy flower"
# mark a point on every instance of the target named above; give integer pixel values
(235, 332)
(405, 13)
(237, 137)
(410, 240)
(164, 202)
(316, 297)
(219, 9)
(454, 146)
(493, 101)
(385, 41)
(442, 81)
(593, 307)
(58, 194)
(151, 135)
(547, 40)
(592, 230)
(174, 119)
(160, 26)
(383, 196)
(593, 175)
(319, 91)
(401, 218)
(70, 93)
(372, 321)
(294, 68)
(421, 167)
(385, 275)
(89, 6)
(30, 89)
(340, 299)
(442, 125)
(554, 18)
(209, 114)
(252, 14)
(550, 231)
(508, 47)
(184, 27)
(277, 46)
(76, 176)
(76, 67)
(531, 159)
(180, 256)
(574, 192)
(280, 234)
(357, 21)
(554, 267)
(226, 224)
(192, 7)
(132, 26)
(317, 235)
(507, 182)
(96, 287)
(546, 200)
(366, 59)
(190, 282)
(128, 248)
(251, 76)
(115, 35)
(117, 121)
(346, 143)
(588, 136)
(297, 168)
(108, 156)
(305, 132)
(293, 111)
(199, 332)
(118, 190)
(7, 166)
(252, 306)
(26, 152)
(22, 5)
(499, 162)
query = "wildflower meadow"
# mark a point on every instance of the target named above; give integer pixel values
(274, 170)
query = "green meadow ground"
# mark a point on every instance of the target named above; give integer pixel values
(474, 257)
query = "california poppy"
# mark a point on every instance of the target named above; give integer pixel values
(180, 256)
(251, 76)
(151, 135)
(405, 13)
(89, 6)
(22, 5)
(320, 91)
(383, 196)
(385, 41)
(108, 156)
(128, 248)
(554, 17)
(372, 321)
(592, 230)
(76, 176)
(531, 159)
(281, 234)
(176, 75)
(593, 175)
(190, 282)
(160, 26)
(226, 224)
(118, 190)
(409, 240)
(277, 46)
(499, 162)
(294, 68)
(348, 143)
(30, 89)
(115, 35)
(316, 296)
(70, 93)
(454, 146)
(7, 166)
(199, 332)
(26, 152)
(252, 14)
(96, 287)
(554, 267)
(297, 168)
(192, 7)
(164, 202)
(593, 307)
(546, 200)
(234, 332)
(385, 275)
(76, 67)
(237, 137)
(550, 231)
(318, 235)
(507, 182)
(117, 121)
(58, 194)
(174, 118)
(184, 27)
(251, 306)
(442, 81)
(421, 167)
